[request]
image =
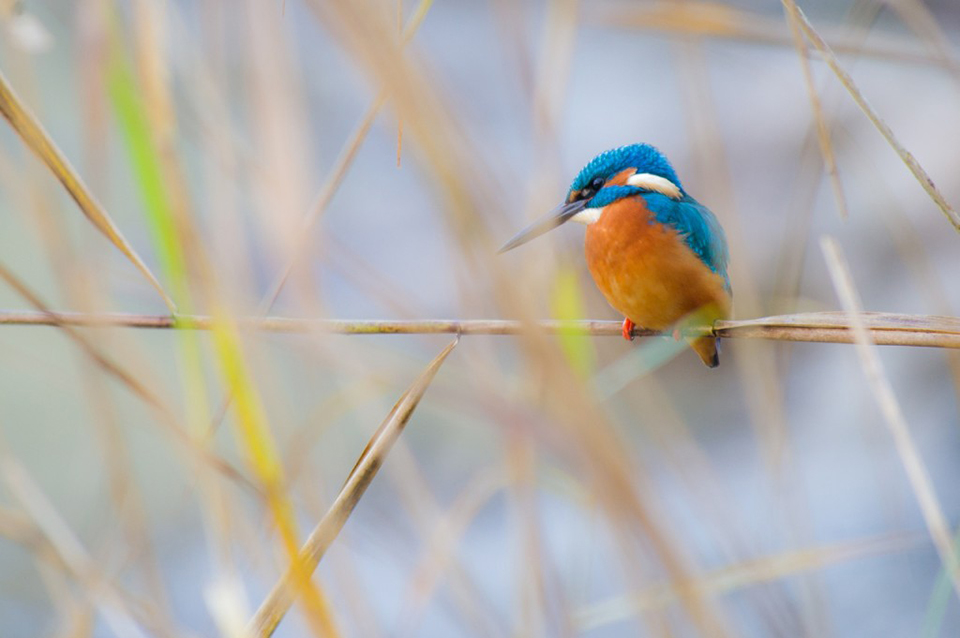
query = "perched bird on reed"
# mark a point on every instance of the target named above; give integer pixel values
(657, 254)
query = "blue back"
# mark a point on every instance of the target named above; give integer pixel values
(697, 225)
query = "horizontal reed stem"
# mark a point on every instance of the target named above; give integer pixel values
(818, 327)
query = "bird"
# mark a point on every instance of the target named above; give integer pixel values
(658, 255)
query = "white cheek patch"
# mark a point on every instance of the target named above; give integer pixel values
(656, 184)
(588, 216)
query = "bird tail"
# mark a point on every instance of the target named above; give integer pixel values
(708, 348)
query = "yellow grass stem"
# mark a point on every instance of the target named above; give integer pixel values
(137, 133)
(566, 304)
(261, 450)
(169, 231)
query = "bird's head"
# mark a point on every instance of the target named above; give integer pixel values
(611, 175)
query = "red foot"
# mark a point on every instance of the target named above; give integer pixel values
(628, 329)
(676, 334)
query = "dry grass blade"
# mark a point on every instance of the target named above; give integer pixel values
(339, 171)
(438, 561)
(341, 166)
(920, 19)
(18, 528)
(137, 388)
(717, 20)
(69, 551)
(823, 131)
(701, 18)
(37, 139)
(278, 602)
(921, 175)
(739, 576)
(883, 392)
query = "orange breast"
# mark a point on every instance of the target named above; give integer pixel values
(647, 272)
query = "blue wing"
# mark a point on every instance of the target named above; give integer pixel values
(698, 226)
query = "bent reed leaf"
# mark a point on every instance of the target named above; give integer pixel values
(39, 142)
(281, 597)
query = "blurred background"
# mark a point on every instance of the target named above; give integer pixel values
(364, 160)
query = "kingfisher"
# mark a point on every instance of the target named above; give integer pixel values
(658, 255)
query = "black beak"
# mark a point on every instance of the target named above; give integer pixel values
(554, 218)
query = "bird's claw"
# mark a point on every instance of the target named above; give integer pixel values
(628, 329)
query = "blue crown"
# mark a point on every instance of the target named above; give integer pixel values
(643, 157)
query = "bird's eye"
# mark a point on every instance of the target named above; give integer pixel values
(592, 189)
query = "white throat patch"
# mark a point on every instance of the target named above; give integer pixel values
(588, 216)
(655, 183)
